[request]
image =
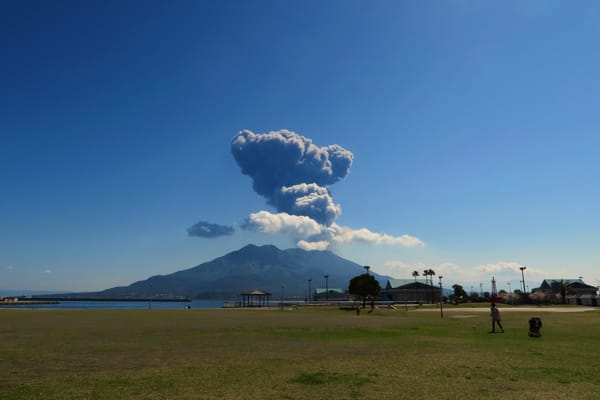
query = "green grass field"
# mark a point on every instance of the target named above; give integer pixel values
(305, 353)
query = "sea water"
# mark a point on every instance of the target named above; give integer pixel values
(124, 305)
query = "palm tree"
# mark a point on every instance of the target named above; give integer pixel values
(564, 288)
(415, 274)
(431, 274)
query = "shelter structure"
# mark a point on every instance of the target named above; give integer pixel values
(255, 298)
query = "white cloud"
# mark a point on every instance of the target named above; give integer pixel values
(318, 245)
(344, 234)
(498, 267)
(452, 273)
(479, 277)
(400, 269)
(47, 271)
(283, 223)
(317, 236)
(9, 268)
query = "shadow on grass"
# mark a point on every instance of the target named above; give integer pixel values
(328, 378)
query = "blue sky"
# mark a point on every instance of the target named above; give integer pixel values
(473, 129)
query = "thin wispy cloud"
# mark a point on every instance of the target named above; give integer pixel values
(499, 267)
(400, 269)
(344, 234)
(481, 275)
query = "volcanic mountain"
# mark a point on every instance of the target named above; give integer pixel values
(265, 268)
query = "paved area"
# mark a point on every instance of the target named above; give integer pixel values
(510, 309)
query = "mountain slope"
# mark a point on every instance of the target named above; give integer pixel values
(252, 267)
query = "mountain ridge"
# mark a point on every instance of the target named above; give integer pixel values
(251, 267)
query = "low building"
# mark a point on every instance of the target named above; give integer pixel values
(570, 291)
(410, 291)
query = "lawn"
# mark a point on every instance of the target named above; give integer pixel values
(299, 353)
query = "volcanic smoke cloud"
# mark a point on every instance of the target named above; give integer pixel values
(292, 173)
(205, 229)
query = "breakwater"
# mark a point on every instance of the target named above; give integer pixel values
(145, 300)
(28, 302)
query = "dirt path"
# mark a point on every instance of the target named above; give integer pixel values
(451, 309)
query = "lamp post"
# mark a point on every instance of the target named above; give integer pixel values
(523, 268)
(441, 298)
(367, 268)
(309, 291)
(150, 299)
(326, 287)
(281, 302)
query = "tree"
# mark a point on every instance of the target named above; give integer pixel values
(430, 273)
(426, 274)
(415, 274)
(564, 288)
(364, 285)
(459, 292)
(518, 293)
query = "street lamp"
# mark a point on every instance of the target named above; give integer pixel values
(523, 268)
(309, 291)
(366, 267)
(441, 298)
(326, 287)
(281, 305)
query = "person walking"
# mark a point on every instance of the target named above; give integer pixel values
(496, 318)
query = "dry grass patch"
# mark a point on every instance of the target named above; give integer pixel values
(292, 354)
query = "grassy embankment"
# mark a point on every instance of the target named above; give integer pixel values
(308, 353)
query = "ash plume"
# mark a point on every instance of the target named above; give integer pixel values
(292, 173)
(205, 229)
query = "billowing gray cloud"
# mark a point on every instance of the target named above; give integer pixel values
(291, 172)
(205, 229)
(294, 176)
(310, 200)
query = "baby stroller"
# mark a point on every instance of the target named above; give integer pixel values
(535, 324)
